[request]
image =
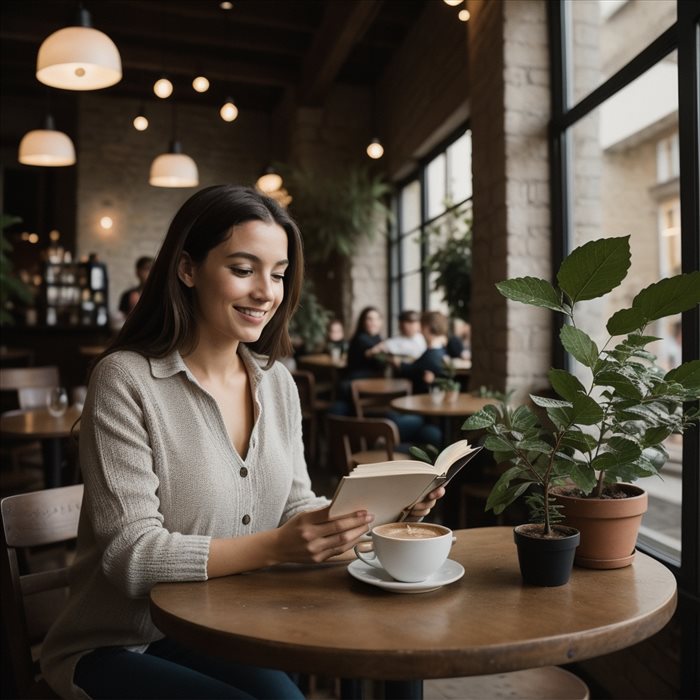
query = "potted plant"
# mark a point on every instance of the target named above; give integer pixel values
(449, 383)
(596, 438)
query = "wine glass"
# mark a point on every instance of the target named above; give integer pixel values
(57, 401)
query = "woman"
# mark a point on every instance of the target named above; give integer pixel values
(361, 362)
(192, 456)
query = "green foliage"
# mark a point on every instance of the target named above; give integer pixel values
(427, 453)
(11, 288)
(611, 430)
(336, 211)
(452, 260)
(310, 320)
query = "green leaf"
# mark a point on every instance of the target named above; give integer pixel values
(578, 344)
(523, 418)
(545, 402)
(481, 419)
(534, 446)
(531, 290)
(583, 476)
(565, 384)
(496, 443)
(620, 383)
(640, 340)
(586, 411)
(595, 268)
(560, 416)
(663, 298)
(419, 454)
(619, 451)
(688, 374)
(583, 442)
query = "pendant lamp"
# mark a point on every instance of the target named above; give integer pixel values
(79, 58)
(46, 147)
(174, 169)
(375, 150)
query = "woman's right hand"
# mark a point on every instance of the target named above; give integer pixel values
(312, 537)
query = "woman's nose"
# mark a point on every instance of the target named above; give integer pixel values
(263, 288)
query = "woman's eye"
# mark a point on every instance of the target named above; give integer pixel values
(241, 271)
(278, 277)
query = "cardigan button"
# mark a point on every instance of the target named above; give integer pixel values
(243, 472)
(246, 519)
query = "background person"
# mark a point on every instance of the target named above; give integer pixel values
(192, 457)
(409, 343)
(130, 297)
(362, 362)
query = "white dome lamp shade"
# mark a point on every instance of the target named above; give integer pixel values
(79, 58)
(174, 169)
(46, 147)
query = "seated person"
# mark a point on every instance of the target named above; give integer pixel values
(130, 297)
(335, 337)
(361, 363)
(431, 364)
(410, 342)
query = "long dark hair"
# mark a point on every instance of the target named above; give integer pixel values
(164, 319)
(362, 319)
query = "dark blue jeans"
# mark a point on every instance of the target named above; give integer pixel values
(168, 670)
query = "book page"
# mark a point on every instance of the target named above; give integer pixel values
(452, 453)
(404, 466)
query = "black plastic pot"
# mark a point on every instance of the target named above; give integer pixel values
(546, 561)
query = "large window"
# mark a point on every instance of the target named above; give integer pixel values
(433, 203)
(625, 162)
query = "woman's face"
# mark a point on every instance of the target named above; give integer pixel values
(373, 323)
(239, 285)
(335, 332)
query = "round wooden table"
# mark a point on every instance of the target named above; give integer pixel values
(447, 411)
(321, 620)
(39, 424)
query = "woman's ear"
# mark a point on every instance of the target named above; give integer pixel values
(185, 270)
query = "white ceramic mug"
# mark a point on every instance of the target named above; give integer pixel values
(408, 552)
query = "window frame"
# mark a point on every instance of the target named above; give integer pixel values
(683, 37)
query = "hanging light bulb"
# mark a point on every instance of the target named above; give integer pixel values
(163, 88)
(375, 150)
(228, 111)
(269, 181)
(79, 58)
(140, 121)
(463, 15)
(200, 84)
(46, 147)
(174, 169)
(453, 3)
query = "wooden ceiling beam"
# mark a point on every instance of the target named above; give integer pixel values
(343, 25)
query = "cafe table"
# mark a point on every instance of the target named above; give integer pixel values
(39, 424)
(320, 620)
(463, 406)
(325, 367)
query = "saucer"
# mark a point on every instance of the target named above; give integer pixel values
(449, 572)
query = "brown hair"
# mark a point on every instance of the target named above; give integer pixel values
(163, 319)
(436, 322)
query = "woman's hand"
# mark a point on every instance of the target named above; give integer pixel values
(420, 510)
(312, 537)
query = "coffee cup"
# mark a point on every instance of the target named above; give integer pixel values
(408, 552)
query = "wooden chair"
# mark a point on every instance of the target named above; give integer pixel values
(25, 387)
(356, 441)
(311, 408)
(32, 601)
(372, 397)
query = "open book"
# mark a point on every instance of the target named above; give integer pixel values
(388, 489)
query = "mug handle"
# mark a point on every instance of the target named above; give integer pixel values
(367, 556)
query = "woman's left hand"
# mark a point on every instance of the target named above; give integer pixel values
(420, 510)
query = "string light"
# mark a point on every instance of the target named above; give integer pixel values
(163, 88)
(200, 84)
(228, 111)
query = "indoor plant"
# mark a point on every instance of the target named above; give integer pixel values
(11, 287)
(611, 431)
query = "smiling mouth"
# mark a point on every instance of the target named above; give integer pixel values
(253, 313)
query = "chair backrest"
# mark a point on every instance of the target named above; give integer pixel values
(31, 601)
(32, 384)
(371, 397)
(306, 386)
(348, 435)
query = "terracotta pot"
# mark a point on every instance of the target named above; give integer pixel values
(608, 526)
(545, 561)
